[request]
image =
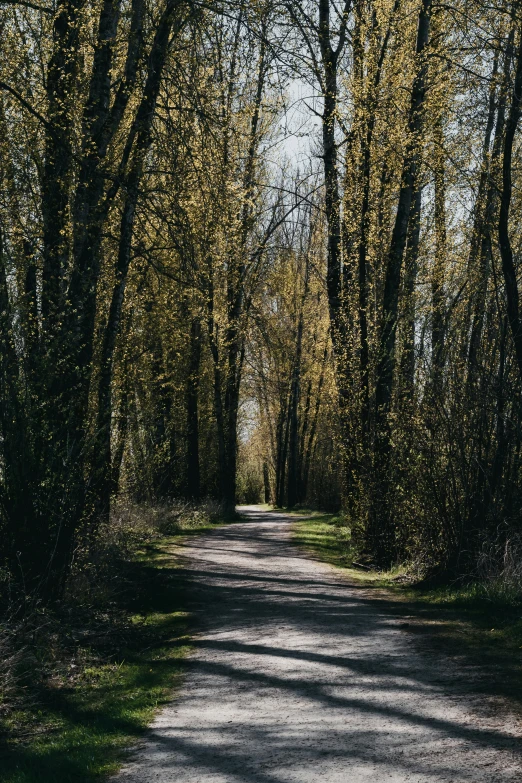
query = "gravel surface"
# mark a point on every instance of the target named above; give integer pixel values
(298, 675)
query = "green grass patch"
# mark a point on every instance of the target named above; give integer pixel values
(326, 536)
(112, 669)
(489, 619)
(299, 511)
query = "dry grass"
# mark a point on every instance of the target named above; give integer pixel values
(499, 570)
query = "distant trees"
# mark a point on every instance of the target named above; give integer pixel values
(289, 379)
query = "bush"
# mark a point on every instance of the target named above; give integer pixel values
(38, 644)
(499, 569)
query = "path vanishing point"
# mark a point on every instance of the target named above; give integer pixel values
(298, 675)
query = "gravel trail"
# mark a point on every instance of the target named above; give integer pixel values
(298, 676)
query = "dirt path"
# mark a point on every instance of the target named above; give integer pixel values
(297, 676)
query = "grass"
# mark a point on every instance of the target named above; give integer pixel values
(101, 692)
(478, 623)
(325, 536)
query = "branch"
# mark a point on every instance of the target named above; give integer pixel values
(27, 105)
(315, 65)
(343, 29)
(27, 4)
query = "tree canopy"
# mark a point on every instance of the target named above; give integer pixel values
(261, 251)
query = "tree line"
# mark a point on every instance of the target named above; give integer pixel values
(187, 310)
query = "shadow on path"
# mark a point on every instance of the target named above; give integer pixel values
(299, 676)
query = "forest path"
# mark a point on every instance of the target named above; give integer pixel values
(300, 676)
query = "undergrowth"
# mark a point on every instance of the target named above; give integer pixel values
(81, 680)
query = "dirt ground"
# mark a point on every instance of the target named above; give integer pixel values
(300, 676)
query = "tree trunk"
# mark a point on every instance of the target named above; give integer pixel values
(313, 429)
(506, 251)
(283, 430)
(483, 225)
(266, 483)
(410, 277)
(122, 427)
(381, 533)
(331, 173)
(192, 480)
(438, 313)
(101, 482)
(293, 419)
(370, 113)
(295, 396)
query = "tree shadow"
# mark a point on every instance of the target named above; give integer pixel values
(367, 688)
